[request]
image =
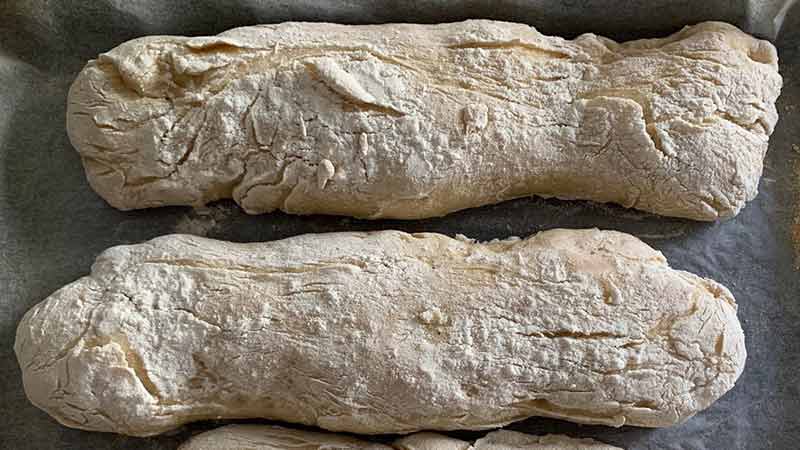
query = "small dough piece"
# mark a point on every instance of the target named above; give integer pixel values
(383, 332)
(430, 441)
(423, 120)
(512, 440)
(265, 437)
(270, 437)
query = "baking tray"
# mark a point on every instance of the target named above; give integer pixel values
(52, 225)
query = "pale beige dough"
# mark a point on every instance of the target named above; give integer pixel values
(382, 332)
(511, 440)
(412, 121)
(264, 437)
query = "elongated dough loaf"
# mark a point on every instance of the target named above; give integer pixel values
(512, 440)
(426, 440)
(264, 437)
(382, 332)
(499, 440)
(412, 121)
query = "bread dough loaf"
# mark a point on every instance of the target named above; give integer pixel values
(512, 440)
(426, 440)
(382, 332)
(499, 440)
(413, 121)
(265, 437)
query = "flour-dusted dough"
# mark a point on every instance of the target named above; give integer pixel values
(265, 437)
(512, 440)
(411, 121)
(426, 440)
(498, 440)
(382, 332)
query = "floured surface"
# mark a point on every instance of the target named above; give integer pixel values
(427, 440)
(261, 437)
(414, 121)
(499, 440)
(55, 225)
(512, 440)
(381, 332)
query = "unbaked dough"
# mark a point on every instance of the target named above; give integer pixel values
(413, 121)
(426, 440)
(499, 440)
(512, 440)
(382, 332)
(264, 437)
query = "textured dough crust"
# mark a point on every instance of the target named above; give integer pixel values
(264, 437)
(382, 332)
(412, 121)
(426, 440)
(512, 440)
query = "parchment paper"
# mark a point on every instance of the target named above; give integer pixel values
(52, 225)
